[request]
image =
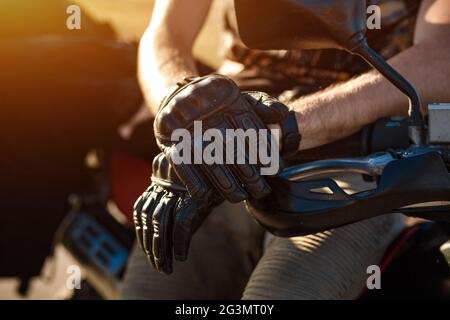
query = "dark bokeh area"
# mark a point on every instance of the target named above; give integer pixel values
(62, 93)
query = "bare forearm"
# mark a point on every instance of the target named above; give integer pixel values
(345, 108)
(162, 64)
(165, 53)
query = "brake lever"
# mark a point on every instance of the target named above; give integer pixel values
(296, 208)
(372, 165)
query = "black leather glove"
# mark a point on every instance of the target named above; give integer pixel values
(218, 103)
(272, 111)
(166, 217)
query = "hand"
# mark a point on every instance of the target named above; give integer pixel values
(219, 104)
(166, 217)
(273, 112)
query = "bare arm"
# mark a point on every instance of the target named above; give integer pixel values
(165, 53)
(344, 109)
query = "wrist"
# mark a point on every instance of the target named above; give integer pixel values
(276, 128)
(279, 118)
(292, 137)
(312, 128)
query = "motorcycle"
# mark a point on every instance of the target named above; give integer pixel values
(63, 93)
(407, 160)
(410, 172)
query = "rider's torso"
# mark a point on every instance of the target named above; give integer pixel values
(310, 70)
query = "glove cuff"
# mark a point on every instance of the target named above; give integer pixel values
(291, 136)
(272, 111)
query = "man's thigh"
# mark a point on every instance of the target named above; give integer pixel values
(327, 265)
(223, 253)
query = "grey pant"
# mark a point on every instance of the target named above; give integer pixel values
(223, 254)
(327, 265)
(223, 262)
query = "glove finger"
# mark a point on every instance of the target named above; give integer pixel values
(224, 181)
(146, 217)
(254, 183)
(217, 169)
(162, 223)
(137, 212)
(270, 110)
(186, 213)
(257, 137)
(189, 216)
(218, 175)
(249, 120)
(247, 148)
(270, 142)
(192, 178)
(271, 162)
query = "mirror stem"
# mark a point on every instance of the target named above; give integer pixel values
(416, 127)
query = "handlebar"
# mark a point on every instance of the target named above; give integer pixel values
(405, 175)
(371, 165)
(299, 207)
(386, 133)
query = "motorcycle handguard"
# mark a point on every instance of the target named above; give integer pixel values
(295, 207)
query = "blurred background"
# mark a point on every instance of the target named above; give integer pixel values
(69, 178)
(70, 167)
(130, 18)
